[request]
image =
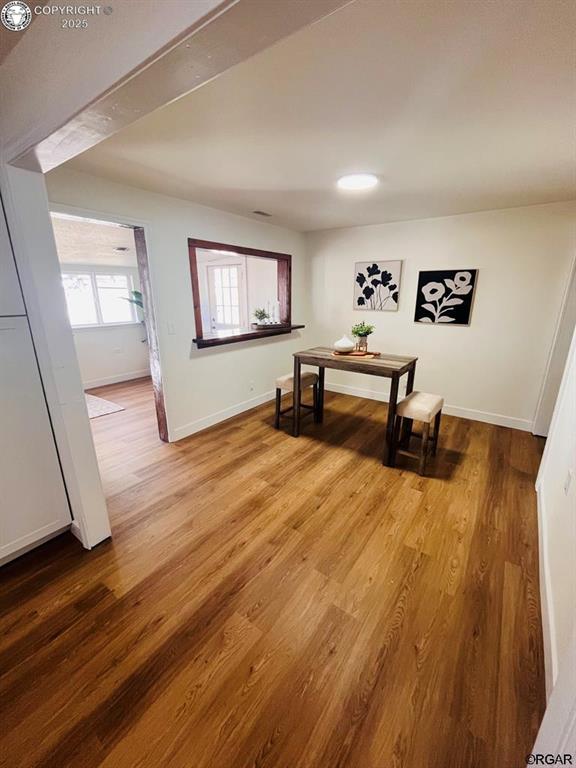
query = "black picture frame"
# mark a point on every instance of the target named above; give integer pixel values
(445, 296)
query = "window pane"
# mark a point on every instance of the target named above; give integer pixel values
(112, 281)
(113, 290)
(224, 296)
(80, 299)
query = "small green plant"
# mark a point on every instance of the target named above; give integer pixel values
(362, 329)
(136, 299)
(261, 315)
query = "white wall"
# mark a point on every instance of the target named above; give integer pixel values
(200, 386)
(110, 354)
(490, 370)
(556, 487)
(557, 734)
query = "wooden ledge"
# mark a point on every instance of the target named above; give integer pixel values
(216, 341)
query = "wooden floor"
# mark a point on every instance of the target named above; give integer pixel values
(271, 601)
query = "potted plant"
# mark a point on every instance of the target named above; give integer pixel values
(361, 331)
(262, 317)
(137, 299)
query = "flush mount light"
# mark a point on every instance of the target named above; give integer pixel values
(357, 181)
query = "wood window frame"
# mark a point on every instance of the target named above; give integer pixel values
(151, 331)
(284, 262)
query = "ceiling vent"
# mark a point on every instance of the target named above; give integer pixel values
(262, 213)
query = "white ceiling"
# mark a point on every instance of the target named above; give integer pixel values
(84, 241)
(458, 105)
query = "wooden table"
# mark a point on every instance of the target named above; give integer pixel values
(388, 366)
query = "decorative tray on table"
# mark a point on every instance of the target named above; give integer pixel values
(356, 353)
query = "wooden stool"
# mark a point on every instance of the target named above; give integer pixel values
(286, 384)
(424, 407)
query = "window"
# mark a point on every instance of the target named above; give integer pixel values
(80, 299)
(112, 292)
(99, 298)
(238, 292)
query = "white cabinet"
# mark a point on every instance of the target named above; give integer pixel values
(33, 501)
(11, 302)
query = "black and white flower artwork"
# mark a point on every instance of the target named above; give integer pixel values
(445, 296)
(376, 285)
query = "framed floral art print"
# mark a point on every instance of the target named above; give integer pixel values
(377, 285)
(445, 296)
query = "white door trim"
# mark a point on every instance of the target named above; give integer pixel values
(560, 346)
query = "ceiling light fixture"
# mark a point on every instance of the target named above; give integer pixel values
(357, 181)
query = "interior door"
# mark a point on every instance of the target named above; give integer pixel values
(227, 292)
(33, 502)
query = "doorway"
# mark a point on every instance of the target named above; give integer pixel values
(106, 282)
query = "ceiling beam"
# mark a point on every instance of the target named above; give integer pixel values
(231, 33)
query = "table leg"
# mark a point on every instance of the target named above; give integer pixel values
(424, 448)
(296, 407)
(321, 372)
(389, 453)
(407, 423)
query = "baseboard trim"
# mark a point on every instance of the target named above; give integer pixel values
(548, 622)
(179, 433)
(499, 419)
(209, 421)
(28, 547)
(451, 410)
(117, 379)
